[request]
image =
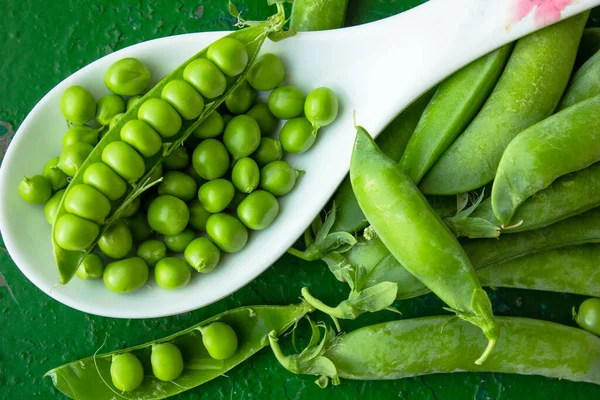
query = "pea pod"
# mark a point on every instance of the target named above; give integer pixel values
(90, 379)
(310, 15)
(584, 84)
(252, 38)
(528, 91)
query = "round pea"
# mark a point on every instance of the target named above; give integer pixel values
(127, 77)
(297, 135)
(268, 150)
(237, 199)
(278, 178)
(216, 195)
(177, 160)
(56, 177)
(124, 160)
(80, 134)
(258, 210)
(116, 241)
(141, 137)
(73, 156)
(127, 372)
(172, 273)
(75, 233)
(212, 126)
(77, 105)
(286, 102)
(206, 78)
(152, 251)
(35, 189)
(109, 106)
(179, 242)
(161, 116)
(132, 207)
(229, 54)
(179, 185)
(167, 362)
(104, 179)
(245, 175)
(262, 115)
(321, 106)
(242, 136)
(91, 267)
(168, 215)
(87, 202)
(210, 159)
(132, 101)
(241, 98)
(51, 206)
(202, 255)
(114, 120)
(267, 72)
(198, 215)
(184, 98)
(227, 232)
(138, 224)
(126, 275)
(588, 316)
(220, 340)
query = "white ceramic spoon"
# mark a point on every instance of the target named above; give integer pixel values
(376, 69)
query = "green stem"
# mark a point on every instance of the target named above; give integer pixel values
(300, 254)
(488, 350)
(308, 237)
(334, 313)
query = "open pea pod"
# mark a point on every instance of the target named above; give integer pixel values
(90, 379)
(252, 38)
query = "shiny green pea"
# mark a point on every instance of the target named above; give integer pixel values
(210, 159)
(87, 202)
(172, 273)
(116, 241)
(267, 122)
(220, 340)
(245, 175)
(80, 134)
(202, 255)
(73, 156)
(168, 215)
(138, 224)
(56, 177)
(267, 72)
(278, 178)
(51, 206)
(141, 137)
(167, 362)
(229, 54)
(178, 184)
(184, 98)
(109, 106)
(132, 101)
(178, 160)
(152, 251)
(588, 316)
(91, 267)
(321, 106)
(161, 116)
(114, 120)
(212, 126)
(216, 195)
(104, 179)
(206, 77)
(35, 189)
(198, 215)
(227, 232)
(286, 102)
(179, 242)
(124, 160)
(126, 372)
(268, 150)
(241, 98)
(132, 208)
(297, 135)
(77, 105)
(125, 276)
(127, 77)
(75, 233)
(258, 210)
(242, 136)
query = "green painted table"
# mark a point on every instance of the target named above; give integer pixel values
(42, 42)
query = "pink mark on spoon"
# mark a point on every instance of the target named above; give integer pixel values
(546, 11)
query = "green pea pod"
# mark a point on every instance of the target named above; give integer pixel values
(416, 236)
(590, 44)
(90, 378)
(311, 15)
(453, 106)
(584, 84)
(528, 91)
(253, 38)
(565, 142)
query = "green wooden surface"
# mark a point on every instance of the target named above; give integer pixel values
(42, 42)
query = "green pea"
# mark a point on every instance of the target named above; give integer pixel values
(77, 105)
(141, 137)
(75, 233)
(109, 106)
(172, 273)
(167, 362)
(241, 98)
(125, 276)
(168, 215)
(191, 172)
(179, 242)
(184, 98)
(80, 134)
(286, 102)
(210, 159)
(227, 232)
(258, 210)
(87, 202)
(278, 178)
(588, 316)
(116, 241)
(297, 135)
(132, 207)
(178, 160)
(206, 77)
(267, 72)
(114, 120)
(220, 340)
(127, 372)
(124, 160)
(238, 197)
(202, 255)
(229, 55)
(242, 136)
(321, 107)
(56, 177)
(73, 156)
(268, 150)
(179, 185)
(132, 101)
(91, 267)
(51, 206)
(138, 224)
(127, 77)
(104, 179)
(152, 251)
(262, 115)
(198, 215)
(161, 116)
(216, 195)
(245, 175)
(212, 126)
(35, 189)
